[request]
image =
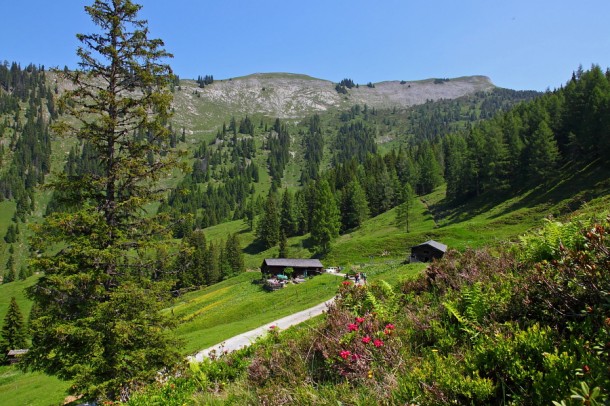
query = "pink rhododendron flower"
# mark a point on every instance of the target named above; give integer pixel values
(359, 320)
(352, 327)
(378, 343)
(344, 354)
(366, 339)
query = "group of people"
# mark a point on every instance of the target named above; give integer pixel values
(360, 276)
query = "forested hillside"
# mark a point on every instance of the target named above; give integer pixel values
(519, 323)
(310, 179)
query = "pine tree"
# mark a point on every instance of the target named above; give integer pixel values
(10, 270)
(542, 153)
(211, 265)
(403, 211)
(325, 219)
(354, 206)
(98, 321)
(268, 230)
(283, 246)
(235, 255)
(288, 224)
(13, 329)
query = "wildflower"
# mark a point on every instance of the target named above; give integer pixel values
(390, 326)
(355, 357)
(344, 354)
(378, 343)
(370, 374)
(387, 332)
(366, 339)
(346, 283)
(359, 320)
(352, 327)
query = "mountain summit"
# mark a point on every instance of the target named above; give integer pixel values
(286, 95)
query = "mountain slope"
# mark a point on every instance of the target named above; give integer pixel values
(292, 96)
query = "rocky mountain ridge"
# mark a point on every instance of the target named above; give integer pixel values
(292, 96)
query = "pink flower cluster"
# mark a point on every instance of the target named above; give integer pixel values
(388, 330)
(345, 354)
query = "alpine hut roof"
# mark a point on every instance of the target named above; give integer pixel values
(434, 244)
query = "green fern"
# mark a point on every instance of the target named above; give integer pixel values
(466, 325)
(381, 299)
(475, 303)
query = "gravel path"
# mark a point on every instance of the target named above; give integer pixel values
(247, 338)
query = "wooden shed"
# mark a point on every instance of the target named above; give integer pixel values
(301, 267)
(14, 356)
(427, 251)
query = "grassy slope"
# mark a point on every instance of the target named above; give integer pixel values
(32, 389)
(238, 305)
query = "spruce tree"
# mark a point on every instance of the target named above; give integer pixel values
(403, 211)
(98, 321)
(325, 219)
(13, 329)
(235, 256)
(268, 230)
(288, 224)
(10, 270)
(354, 206)
(283, 246)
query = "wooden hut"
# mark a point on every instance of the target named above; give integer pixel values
(301, 267)
(427, 251)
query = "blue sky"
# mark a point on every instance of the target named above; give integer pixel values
(534, 44)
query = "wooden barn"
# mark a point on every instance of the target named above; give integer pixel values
(14, 356)
(427, 251)
(301, 267)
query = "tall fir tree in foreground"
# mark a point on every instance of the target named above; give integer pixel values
(98, 321)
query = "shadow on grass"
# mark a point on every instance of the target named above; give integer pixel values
(568, 191)
(255, 247)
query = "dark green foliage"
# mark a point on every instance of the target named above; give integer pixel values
(283, 247)
(325, 218)
(10, 275)
(12, 233)
(524, 146)
(268, 229)
(288, 218)
(354, 206)
(355, 140)
(347, 83)
(204, 81)
(404, 210)
(278, 144)
(97, 319)
(30, 141)
(13, 329)
(235, 255)
(340, 89)
(313, 145)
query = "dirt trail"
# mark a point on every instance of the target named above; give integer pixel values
(247, 338)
